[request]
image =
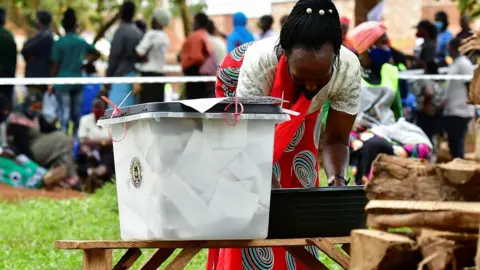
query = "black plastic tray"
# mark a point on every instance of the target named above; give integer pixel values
(179, 107)
(317, 212)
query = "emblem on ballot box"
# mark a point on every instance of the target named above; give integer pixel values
(136, 172)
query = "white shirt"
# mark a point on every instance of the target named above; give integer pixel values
(259, 66)
(154, 45)
(456, 94)
(88, 129)
(220, 47)
(270, 33)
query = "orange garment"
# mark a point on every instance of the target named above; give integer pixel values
(365, 35)
(348, 44)
(195, 49)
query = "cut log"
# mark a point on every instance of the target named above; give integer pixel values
(396, 178)
(447, 250)
(380, 250)
(449, 216)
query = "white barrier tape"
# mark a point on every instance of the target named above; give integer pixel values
(105, 80)
(435, 77)
(175, 79)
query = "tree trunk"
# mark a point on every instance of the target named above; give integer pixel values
(101, 32)
(185, 14)
(362, 7)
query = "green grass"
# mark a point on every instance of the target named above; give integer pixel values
(29, 228)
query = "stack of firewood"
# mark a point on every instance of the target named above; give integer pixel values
(437, 207)
(469, 46)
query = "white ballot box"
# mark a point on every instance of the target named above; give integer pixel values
(183, 173)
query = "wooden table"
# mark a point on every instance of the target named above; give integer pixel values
(97, 255)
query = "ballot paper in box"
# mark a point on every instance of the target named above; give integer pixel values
(186, 171)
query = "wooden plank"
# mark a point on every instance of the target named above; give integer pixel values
(442, 220)
(307, 258)
(157, 259)
(331, 251)
(182, 259)
(80, 244)
(97, 259)
(372, 249)
(128, 259)
(423, 206)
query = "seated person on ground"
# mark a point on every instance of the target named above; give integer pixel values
(95, 158)
(25, 134)
(20, 171)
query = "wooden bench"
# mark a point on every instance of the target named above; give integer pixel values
(97, 255)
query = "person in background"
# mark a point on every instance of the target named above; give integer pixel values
(90, 90)
(444, 37)
(219, 45)
(20, 171)
(380, 126)
(122, 58)
(28, 135)
(8, 55)
(265, 24)
(141, 25)
(466, 30)
(37, 51)
(195, 52)
(95, 159)
(428, 49)
(240, 34)
(457, 113)
(68, 55)
(345, 23)
(152, 52)
(430, 97)
(283, 20)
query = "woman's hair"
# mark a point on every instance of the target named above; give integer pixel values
(429, 27)
(443, 17)
(202, 20)
(311, 25)
(127, 11)
(211, 27)
(69, 21)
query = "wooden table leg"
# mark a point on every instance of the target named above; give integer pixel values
(159, 257)
(331, 251)
(128, 259)
(307, 258)
(183, 258)
(97, 259)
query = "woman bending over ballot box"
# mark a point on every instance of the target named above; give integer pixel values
(306, 66)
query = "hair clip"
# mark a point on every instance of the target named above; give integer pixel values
(309, 11)
(330, 11)
(321, 12)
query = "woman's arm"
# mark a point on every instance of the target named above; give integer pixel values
(344, 106)
(335, 149)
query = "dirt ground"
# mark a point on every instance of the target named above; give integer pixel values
(11, 193)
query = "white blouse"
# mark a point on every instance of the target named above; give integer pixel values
(260, 65)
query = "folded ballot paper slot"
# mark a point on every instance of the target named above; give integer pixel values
(183, 173)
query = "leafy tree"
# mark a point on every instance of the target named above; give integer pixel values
(94, 15)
